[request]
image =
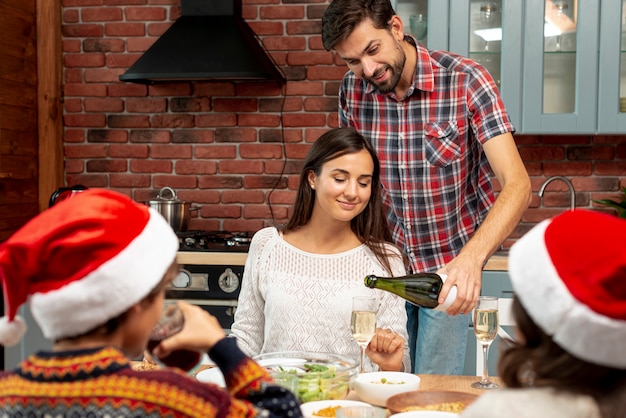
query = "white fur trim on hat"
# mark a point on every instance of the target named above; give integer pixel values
(111, 289)
(12, 332)
(553, 308)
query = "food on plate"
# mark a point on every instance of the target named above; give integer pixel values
(330, 411)
(316, 382)
(456, 407)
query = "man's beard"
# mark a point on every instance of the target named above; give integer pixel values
(395, 73)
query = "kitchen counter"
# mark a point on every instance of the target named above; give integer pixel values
(497, 262)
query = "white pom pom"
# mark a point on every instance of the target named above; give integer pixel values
(11, 332)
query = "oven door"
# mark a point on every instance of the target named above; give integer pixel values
(223, 310)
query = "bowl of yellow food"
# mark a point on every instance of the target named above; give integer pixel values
(312, 376)
(430, 400)
(376, 387)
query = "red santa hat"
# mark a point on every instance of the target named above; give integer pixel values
(82, 262)
(569, 273)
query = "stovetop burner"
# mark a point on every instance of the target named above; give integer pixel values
(214, 241)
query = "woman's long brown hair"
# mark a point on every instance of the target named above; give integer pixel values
(370, 226)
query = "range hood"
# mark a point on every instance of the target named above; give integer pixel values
(210, 41)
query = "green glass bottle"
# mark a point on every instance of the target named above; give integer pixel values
(421, 289)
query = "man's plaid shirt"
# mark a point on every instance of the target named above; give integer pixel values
(435, 175)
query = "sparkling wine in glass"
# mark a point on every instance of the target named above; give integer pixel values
(486, 328)
(363, 322)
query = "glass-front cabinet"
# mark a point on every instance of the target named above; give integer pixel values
(560, 64)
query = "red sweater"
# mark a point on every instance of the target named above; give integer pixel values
(100, 382)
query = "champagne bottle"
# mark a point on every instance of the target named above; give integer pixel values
(420, 289)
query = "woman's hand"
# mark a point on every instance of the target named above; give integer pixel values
(386, 349)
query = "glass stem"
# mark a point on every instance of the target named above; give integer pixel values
(485, 378)
(362, 358)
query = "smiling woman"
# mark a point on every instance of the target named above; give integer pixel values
(301, 278)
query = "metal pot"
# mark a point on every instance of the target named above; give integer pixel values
(176, 212)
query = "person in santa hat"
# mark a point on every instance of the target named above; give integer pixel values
(94, 269)
(569, 356)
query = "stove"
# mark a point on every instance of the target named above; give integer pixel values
(212, 264)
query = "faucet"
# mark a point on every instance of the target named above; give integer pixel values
(572, 193)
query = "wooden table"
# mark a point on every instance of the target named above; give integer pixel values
(455, 383)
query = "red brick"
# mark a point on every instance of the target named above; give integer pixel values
(542, 153)
(262, 211)
(71, 45)
(117, 121)
(305, 88)
(220, 182)
(221, 211)
(106, 166)
(569, 168)
(196, 167)
(94, 121)
(84, 60)
(307, 27)
(321, 72)
(171, 151)
(235, 105)
(82, 31)
(216, 120)
(284, 197)
(73, 105)
(565, 139)
(258, 89)
(297, 150)
(185, 136)
(242, 196)
(309, 58)
(596, 152)
(261, 151)
(318, 104)
(103, 75)
(151, 166)
(89, 180)
(281, 12)
(240, 167)
(172, 121)
(74, 166)
(304, 119)
(293, 104)
(74, 135)
(84, 90)
(145, 13)
(70, 16)
(146, 105)
(127, 90)
(103, 45)
(283, 167)
(258, 120)
(612, 168)
(218, 152)
(200, 196)
(210, 89)
(175, 181)
(150, 136)
(101, 14)
(129, 180)
(189, 104)
(85, 151)
(158, 29)
(242, 225)
(235, 135)
(280, 135)
(264, 182)
(120, 60)
(124, 29)
(107, 135)
(104, 105)
(128, 151)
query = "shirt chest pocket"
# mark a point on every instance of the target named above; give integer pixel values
(443, 142)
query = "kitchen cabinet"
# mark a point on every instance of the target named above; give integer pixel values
(560, 64)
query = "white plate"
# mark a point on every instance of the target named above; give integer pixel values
(308, 408)
(212, 375)
(425, 414)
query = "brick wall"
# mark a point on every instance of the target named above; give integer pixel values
(235, 148)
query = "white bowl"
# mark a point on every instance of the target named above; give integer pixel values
(377, 387)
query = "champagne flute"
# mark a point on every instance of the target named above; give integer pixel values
(486, 328)
(363, 322)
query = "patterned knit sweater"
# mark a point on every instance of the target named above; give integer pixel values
(101, 383)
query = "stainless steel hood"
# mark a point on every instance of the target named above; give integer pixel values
(210, 41)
